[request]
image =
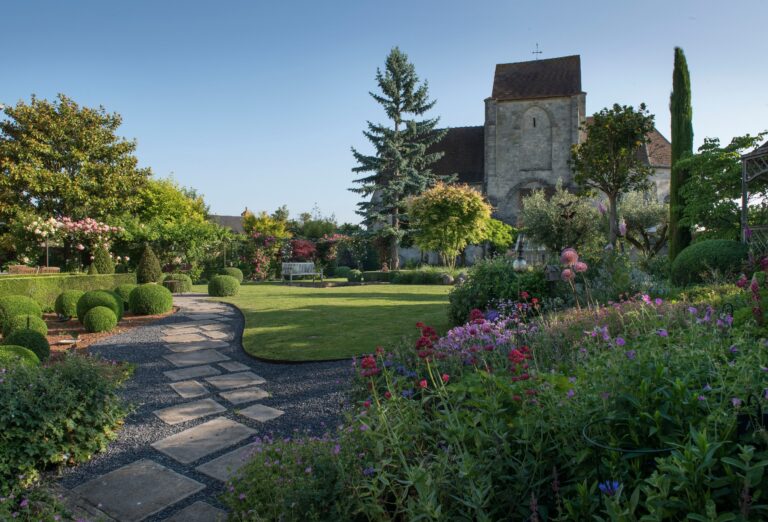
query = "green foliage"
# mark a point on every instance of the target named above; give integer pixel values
(11, 355)
(499, 235)
(30, 339)
(184, 279)
(28, 322)
(446, 218)
(66, 303)
(232, 271)
(563, 220)
(265, 225)
(61, 413)
(721, 255)
(341, 271)
(95, 298)
(491, 280)
(400, 165)
(150, 299)
(609, 161)
(13, 305)
(103, 261)
(223, 286)
(682, 147)
(46, 289)
(378, 276)
(647, 222)
(100, 319)
(124, 291)
(148, 270)
(355, 276)
(418, 277)
(92, 269)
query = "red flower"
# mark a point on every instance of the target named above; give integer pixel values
(419, 325)
(535, 300)
(387, 395)
(445, 377)
(423, 383)
(379, 350)
(368, 362)
(524, 295)
(367, 404)
(476, 314)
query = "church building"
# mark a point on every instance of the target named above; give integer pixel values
(535, 113)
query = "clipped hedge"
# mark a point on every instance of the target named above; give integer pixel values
(30, 339)
(29, 322)
(232, 272)
(342, 271)
(46, 288)
(100, 319)
(151, 299)
(11, 355)
(66, 303)
(149, 270)
(13, 305)
(404, 277)
(124, 291)
(103, 262)
(184, 279)
(722, 255)
(377, 276)
(223, 286)
(355, 276)
(100, 298)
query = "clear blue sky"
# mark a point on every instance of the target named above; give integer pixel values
(257, 103)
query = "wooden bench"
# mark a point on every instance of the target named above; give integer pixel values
(301, 269)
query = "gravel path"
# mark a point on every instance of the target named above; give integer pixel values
(309, 396)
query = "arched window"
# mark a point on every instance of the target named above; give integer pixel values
(536, 142)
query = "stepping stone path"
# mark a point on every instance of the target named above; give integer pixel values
(217, 412)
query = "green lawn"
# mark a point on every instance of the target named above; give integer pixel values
(293, 323)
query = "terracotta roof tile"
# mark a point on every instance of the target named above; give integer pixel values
(538, 79)
(464, 149)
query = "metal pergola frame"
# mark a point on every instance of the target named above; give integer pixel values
(754, 165)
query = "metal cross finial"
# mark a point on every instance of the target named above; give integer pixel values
(536, 53)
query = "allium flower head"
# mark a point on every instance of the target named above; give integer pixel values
(569, 257)
(580, 266)
(567, 275)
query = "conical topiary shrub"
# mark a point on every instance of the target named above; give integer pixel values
(103, 261)
(149, 267)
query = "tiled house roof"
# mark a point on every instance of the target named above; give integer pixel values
(464, 154)
(538, 79)
(234, 223)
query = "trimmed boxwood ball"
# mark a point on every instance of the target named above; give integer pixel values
(13, 305)
(124, 291)
(232, 272)
(186, 281)
(30, 322)
(223, 286)
(96, 298)
(722, 255)
(150, 299)
(66, 303)
(30, 339)
(100, 319)
(11, 355)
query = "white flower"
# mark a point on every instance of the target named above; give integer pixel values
(127, 259)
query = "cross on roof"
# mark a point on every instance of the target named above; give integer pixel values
(536, 53)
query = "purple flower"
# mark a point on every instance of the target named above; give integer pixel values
(369, 471)
(241, 496)
(736, 402)
(631, 355)
(620, 341)
(702, 398)
(609, 488)
(693, 310)
(707, 387)
(24, 503)
(658, 301)
(571, 393)
(733, 349)
(646, 299)
(336, 449)
(662, 332)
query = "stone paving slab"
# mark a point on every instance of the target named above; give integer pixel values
(199, 345)
(138, 490)
(189, 411)
(215, 326)
(261, 413)
(195, 358)
(191, 373)
(199, 512)
(195, 443)
(183, 331)
(219, 336)
(225, 467)
(189, 389)
(198, 316)
(182, 338)
(235, 380)
(243, 395)
(234, 366)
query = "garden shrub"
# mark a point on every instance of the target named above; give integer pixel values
(151, 299)
(46, 288)
(355, 276)
(233, 272)
(13, 305)
(61, 413)
(342, 271)
(28, 322)
(30, 339)
(721, 255)
(491, 280)
(96, 298)
(100, 319)
(124, 291)
(418, 277)
(66, 303)
(103, 262)
(149, 270)
(223, 286)
(186, 281)
(11, 356)
(92, 270)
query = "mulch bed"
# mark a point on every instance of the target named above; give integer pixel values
(59, 331)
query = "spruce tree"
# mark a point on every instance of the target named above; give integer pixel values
(149, 270)
(400, 166)
(682, 146)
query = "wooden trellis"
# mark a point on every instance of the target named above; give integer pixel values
(753, 166)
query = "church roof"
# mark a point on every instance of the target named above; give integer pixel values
(464, 149)
(234, 223)
(549, 78)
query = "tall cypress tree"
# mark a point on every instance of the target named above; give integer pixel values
(400, 166)
(682, 146)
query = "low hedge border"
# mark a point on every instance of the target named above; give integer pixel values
(46, 288)
(404, 277)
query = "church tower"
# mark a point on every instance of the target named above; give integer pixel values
(531, 121)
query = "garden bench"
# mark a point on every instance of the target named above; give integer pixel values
(301, 269)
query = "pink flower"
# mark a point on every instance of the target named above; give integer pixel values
(569, 256)
(623, 228)
(423, 383)
(80, 247)
(580, 267)
(445, 377)
(567, 274)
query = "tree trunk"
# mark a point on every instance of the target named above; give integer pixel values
(613, 220)
(394, 245)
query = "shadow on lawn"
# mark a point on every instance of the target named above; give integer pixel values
(402, 296)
